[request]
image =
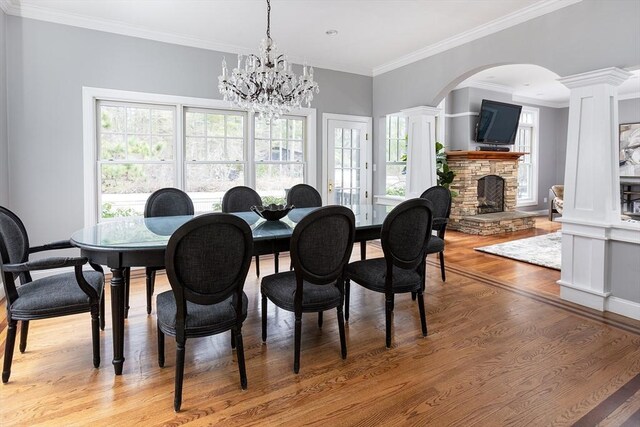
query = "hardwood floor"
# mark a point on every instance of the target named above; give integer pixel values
(498, 353)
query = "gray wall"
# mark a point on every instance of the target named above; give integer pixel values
(624, 275)
(589, 35)
(4, 146)
(629, 111)
(48, 64)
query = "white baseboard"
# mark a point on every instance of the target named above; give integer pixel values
(623, 307)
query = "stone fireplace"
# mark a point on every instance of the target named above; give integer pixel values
(487, 186)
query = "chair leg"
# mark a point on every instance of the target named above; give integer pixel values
(151, 280)
(264, 318)
(423, 316)
(276, 261)
(442, 273)
(320, 319)
(95, 334)
(257, 266)
(177, 400)
(393, 301)
(240, 352)
(343, 340)
(413, 296)
(233, 340)
(24, 331)
(127, 290)
(363, 251)
(298, 338)
(388, 310)
(8, 349)
(102, 319)
(347, 288)
(160, 347)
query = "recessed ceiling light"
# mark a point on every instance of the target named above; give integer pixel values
(539, 93)
(527, 84)
(331, 32)
(491, 77)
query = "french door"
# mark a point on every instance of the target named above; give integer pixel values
(347, 175)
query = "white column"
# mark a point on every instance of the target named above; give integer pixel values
(591, 186)
(421, 150)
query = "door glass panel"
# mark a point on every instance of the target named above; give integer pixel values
(348, 167)
(355, 138)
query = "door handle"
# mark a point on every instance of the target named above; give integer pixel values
(330, 186)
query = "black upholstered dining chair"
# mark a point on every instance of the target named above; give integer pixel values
(304, 196)
(207, 261)
(52, 296)
(320, 248)
(241, 199)
(440, 198)
(163, 202)
(405, 237)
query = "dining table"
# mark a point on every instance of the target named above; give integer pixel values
(141, 242)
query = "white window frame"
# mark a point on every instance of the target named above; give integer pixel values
(535, 149)
(91, 96)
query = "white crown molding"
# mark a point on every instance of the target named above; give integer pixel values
(541, 102)
(494, 87)
(42, 13)
(507, 21)
(422, 110)
(612, 76)
(630, 95)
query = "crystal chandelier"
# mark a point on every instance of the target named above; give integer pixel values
(266, 84)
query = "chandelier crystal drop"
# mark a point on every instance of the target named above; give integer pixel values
(266, 84)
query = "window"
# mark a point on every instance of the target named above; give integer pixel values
(396, 155)
(136, 149)
(136, 143)
(279, 156)
(527, 142)
(215, 154)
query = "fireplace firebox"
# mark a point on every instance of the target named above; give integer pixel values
(490, 194)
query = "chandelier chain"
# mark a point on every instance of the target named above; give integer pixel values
(269, 19)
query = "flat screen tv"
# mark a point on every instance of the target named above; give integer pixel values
(498, 122)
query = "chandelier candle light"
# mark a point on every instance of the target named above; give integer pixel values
(265, 84)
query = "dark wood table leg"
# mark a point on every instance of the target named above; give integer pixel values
(363, 250)
(117, 318)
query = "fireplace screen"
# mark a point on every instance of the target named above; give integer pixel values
(490, 194)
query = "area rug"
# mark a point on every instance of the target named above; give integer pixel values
(540, 250)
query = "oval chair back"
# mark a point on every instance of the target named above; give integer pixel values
(440, 199)
(304, 196)
(321, 244)
(168, 202)
(240, 199)
(405, 234)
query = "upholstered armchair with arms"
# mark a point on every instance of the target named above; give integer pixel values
(556, 200)
(52, 296)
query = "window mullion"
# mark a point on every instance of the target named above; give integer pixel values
(179, 147)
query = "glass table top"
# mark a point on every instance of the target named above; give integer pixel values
(136, 233)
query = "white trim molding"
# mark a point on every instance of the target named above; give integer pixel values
(494, 87)
(540, 102)
(507, 21)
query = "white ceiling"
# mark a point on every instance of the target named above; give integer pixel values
(373, 36)
(537, 83)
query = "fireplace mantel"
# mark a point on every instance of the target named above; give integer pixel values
(484, 155)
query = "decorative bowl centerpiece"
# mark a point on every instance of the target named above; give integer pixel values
(272, 212)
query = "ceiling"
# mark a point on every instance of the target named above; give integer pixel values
(373, 36)
(527, 81)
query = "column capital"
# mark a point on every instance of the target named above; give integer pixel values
(422, 110)
(612, 76)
